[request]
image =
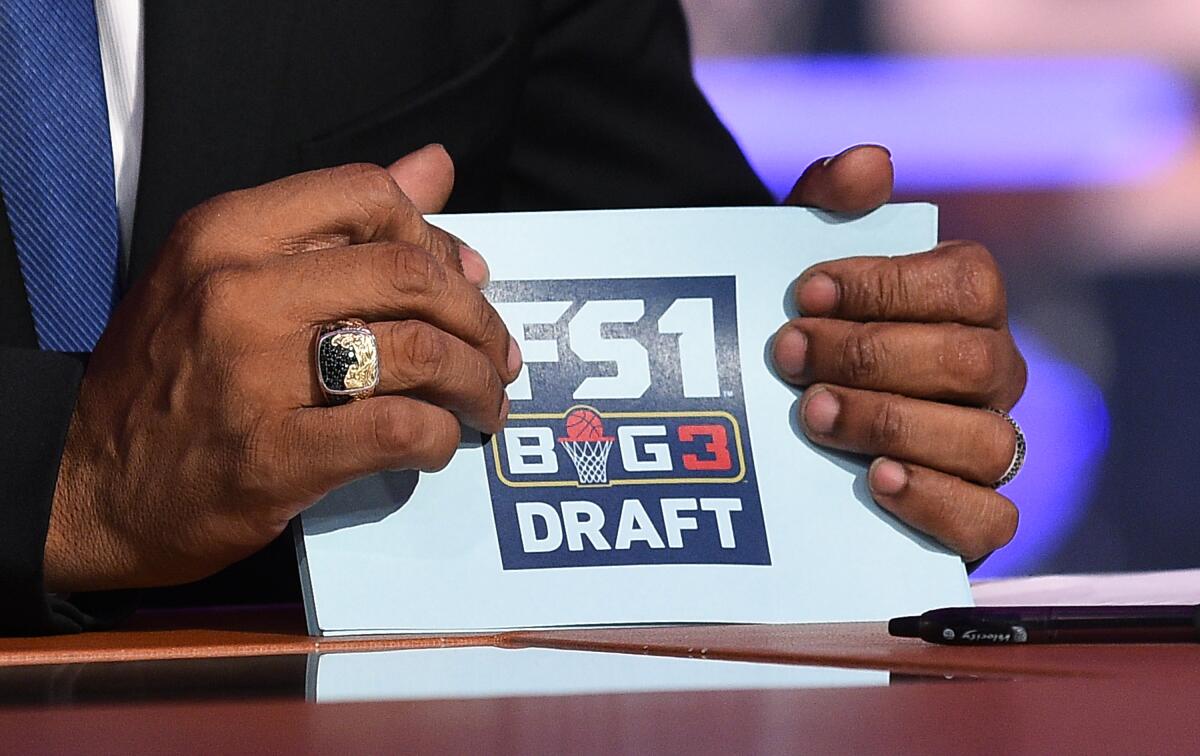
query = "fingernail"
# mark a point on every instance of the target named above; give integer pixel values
(818, 295)
(887, 477)
(821, 411)
(514, 357)
(505, 406)
(852, 148)
(791, 346)
(831, 158)
(877, 146)
(475, 268)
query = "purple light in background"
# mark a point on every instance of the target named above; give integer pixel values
(1066, 421)
(956, 123)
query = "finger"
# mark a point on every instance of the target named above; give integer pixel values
(954, 282)
(973, 444)
(356, 203)
(426, 177)
(329, 446)
(941, 361)
(388, 281)
(421, 361)
(972, 520)
(854, 181)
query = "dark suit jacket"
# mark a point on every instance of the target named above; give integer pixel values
(543, 104)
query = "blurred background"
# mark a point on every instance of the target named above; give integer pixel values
(1066, 137)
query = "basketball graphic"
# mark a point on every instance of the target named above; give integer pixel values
(584, 424)
(587, 446)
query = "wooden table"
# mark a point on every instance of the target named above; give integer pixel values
(1061, 716)
(239, 695)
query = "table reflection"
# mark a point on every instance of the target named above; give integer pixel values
(417, 674)
(482, 672)
(252, 677)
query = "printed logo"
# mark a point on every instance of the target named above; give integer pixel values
(627, 441)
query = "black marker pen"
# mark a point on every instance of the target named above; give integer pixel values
(981, 626)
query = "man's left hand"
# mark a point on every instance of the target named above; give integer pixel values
(901, 358)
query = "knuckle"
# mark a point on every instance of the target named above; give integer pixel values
(889, 427)
(189, 234)
(189, 227)
(217, 298)
(416, 440)
(977, 282)
(973, 361)
(982, 532)
(419, 351)
(311, 242)
(439, 244)
(375, 193)
(392, 433)
(882, 290)
(861, 358)
(990, 530)
(411, 271)
(369, 181)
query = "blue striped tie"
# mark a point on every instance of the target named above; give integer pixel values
(56, 169)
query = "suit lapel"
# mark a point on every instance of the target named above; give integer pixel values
(204, 61)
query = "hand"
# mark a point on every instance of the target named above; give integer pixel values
(900, 357)
(200, 429)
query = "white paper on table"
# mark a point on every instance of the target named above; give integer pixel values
(402, 553)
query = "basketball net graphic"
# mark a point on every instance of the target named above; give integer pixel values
(587, 446)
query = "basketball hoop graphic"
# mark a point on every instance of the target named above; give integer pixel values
(587, 446)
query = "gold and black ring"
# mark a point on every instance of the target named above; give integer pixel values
(347, 361)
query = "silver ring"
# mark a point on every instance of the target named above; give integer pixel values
(1018, 459)
(347, 361)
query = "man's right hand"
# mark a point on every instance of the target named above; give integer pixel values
(200, 428)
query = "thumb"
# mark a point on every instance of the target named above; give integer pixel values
(854, 181)
(426, 176)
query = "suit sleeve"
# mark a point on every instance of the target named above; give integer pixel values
(37, 398)
(611, 116)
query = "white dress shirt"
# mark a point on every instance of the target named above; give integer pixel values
(120, 26)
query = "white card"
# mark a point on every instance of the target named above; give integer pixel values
(651, 470)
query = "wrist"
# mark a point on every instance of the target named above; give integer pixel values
(79, 553)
